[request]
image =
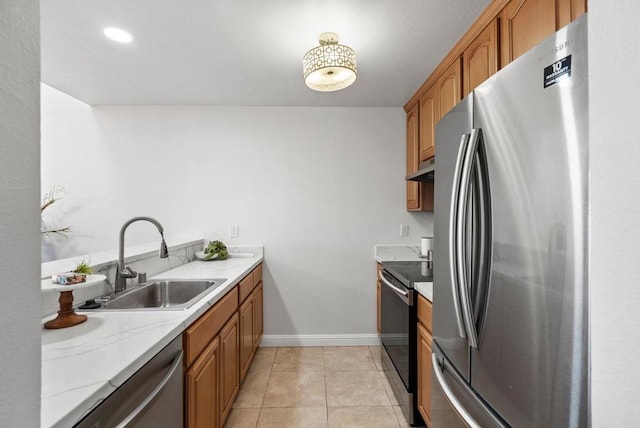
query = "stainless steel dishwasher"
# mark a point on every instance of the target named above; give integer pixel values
(152, 397)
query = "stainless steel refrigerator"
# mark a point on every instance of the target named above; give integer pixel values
(511, 245)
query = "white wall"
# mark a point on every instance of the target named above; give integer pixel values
(615, 203)
(19, 214)
(614, 87)
(73, 159)
(318, 187)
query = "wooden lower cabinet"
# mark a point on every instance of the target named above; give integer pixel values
(378, 297)
(424, 373)
(246, 336)
(251, 328)
(425, 314)
(218, 349)
(201, 389)
(251, 322)
(258, 324)
(229, 371)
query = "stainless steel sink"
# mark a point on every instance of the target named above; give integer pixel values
(168, 294)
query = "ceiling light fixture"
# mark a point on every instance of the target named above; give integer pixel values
(118, 35)
(330, 66)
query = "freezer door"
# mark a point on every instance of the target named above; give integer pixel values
(531, 363)
(453, 403)
(452, 136)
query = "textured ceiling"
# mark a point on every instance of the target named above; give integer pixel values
(242, 52)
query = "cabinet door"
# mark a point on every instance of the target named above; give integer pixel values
(378, 296)
(428, 118)
(424, 373)
(229, 371)
(246, 287)
(569, 10)
(413, 187)
(379, 300)
(246, 336)
(257, 316)
(448, 88)
(524, 24)
(202, 389)
(425, 313)
(480, 58)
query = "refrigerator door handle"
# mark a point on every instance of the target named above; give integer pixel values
(463, 196)
(451, 398)
(485, 236)
(453, 233)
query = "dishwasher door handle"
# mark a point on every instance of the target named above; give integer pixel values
(177, 363)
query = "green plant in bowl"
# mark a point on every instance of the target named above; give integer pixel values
(84, 268)
(216, 250)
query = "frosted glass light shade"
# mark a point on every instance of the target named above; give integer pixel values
(330, 66)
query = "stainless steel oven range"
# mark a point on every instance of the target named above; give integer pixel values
(398, 331)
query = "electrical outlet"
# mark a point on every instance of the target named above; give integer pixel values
(404, 230)
(234, 231)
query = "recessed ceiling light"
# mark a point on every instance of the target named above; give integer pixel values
(118, 35)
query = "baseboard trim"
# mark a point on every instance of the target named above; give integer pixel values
(273, 340)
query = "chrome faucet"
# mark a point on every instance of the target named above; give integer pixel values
(123, 271)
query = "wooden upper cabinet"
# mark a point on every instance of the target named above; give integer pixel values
(524, 24)
(480, 58)
(504, 30)
(569, 10)
(448, 88)
(413, 188)
(427, 128)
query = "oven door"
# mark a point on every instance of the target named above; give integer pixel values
(397, 332)
(399, 336)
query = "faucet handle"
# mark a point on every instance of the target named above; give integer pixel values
(127, 272)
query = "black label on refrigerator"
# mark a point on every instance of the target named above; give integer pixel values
(557, 71)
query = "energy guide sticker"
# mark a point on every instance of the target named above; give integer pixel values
(557, 71)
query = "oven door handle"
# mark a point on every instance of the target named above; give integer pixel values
(404, 294)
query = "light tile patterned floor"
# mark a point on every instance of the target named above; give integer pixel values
(330, 387)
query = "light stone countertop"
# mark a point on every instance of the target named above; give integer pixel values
(397, 253)
(404, 253)
(426, 289)
(82, 365)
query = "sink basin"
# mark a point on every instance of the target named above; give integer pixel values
(168, 294)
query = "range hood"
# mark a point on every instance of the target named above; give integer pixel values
(426, 172)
